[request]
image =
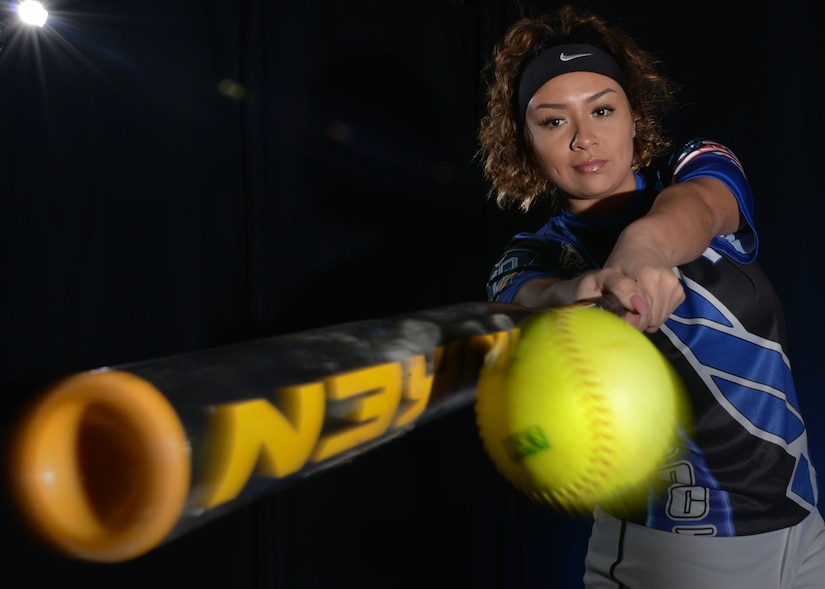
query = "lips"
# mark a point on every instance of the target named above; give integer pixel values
(590, 166)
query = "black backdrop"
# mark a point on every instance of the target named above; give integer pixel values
(182, 174)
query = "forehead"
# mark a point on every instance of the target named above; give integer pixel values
(578, 85)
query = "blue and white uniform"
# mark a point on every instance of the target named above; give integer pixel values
(743, 467)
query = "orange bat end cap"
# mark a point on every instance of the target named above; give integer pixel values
(101, 466)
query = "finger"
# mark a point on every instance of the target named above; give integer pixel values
(639, 304)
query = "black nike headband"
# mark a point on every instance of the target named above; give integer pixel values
(563, 59)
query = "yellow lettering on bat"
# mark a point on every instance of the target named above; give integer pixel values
(322, 419)
(254, 433)
(462, 360)
(415, 392)
(371, 397)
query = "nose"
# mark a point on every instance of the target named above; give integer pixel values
(584, 138)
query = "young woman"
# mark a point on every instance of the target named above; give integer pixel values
(574, 118)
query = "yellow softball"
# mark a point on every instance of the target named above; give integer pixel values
(579, 409)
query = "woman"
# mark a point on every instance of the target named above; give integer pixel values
(573, 118)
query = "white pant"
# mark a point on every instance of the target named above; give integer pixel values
(634, 557)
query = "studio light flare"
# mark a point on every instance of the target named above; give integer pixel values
(32, 12)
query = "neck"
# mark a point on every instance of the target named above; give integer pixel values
(608, 206)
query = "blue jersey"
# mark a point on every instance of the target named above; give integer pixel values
(743, 467)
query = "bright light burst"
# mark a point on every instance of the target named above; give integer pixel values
(32, 12)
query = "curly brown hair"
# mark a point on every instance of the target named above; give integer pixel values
(509, 162)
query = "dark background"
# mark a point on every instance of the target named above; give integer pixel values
(186, 174)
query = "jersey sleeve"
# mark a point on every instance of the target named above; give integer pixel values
(526, 257)
(704, 158)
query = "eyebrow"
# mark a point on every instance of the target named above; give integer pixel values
(593, 98)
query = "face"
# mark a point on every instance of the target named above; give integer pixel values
(581, 128)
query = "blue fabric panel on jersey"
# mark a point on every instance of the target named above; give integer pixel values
(762, 366)
(769, 413)
(801, 484)
(703, 310)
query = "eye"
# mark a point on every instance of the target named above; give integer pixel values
(603, 110)
(551, 122)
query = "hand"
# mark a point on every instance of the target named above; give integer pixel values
(656, 291)
(637, 296)
(635, 299)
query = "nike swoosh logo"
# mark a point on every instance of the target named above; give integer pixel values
(564, 57)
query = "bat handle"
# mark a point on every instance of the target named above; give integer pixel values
(609, 302)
